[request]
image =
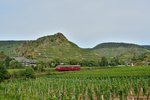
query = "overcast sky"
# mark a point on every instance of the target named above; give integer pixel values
(84, 22)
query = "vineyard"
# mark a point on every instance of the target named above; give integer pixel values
(82, 85)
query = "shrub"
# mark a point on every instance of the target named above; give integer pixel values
(34, 67)
(104, 61)
(15, 64)
(3, 72)
(29, 72)
(40, 66)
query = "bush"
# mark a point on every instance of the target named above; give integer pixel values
(40, 67)
(7, 62)
(15, 64)
(29, 72)
(34, 67)
(104, 61)
(3, 72)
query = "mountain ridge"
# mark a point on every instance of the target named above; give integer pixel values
(115, 44)
(57, 46)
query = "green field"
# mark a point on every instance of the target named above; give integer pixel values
(11, 71)
(87, 84)
(106, 72)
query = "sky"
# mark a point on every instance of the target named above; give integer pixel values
(84, 22)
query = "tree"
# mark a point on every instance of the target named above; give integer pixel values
(104, 61)
(55, 62)
(29, 72)
(2, 56)
(40, 66)
(73, 62)
(15, 64)
(3, 71)
(84, 63)
(92, 63)
(7, 61)
(114, 61)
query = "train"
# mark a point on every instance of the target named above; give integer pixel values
(67, 67)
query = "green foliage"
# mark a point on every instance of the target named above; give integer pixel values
(3, 72)
(29, 72)
(124, 51)
(89, 63)
(136, 71)
(15, 64)
(114, 61)
(2, 56)
(7, 61)
(101, 72)
(20, 73)
(146, 46)
(143, 59)
(73, 62)
(47, 49)
(10, 48)
(115, 45)
(57, 46)
(16, 73)
(70, 87)
(40, 66)
(104, 61)
(84, 63)
(55, 62)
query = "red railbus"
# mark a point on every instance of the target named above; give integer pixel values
(67, 67)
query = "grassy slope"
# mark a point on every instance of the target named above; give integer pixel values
(58, 47)
(122, 50)
(55, 47)
(146, 47)
(47, 48)
(9, 47)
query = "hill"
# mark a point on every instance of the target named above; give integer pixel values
(10, 47)
(55, 46)
(115, 45)
(146, 46)
(121, 50)
(58, 47)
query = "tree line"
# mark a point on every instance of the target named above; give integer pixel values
(10, 63)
